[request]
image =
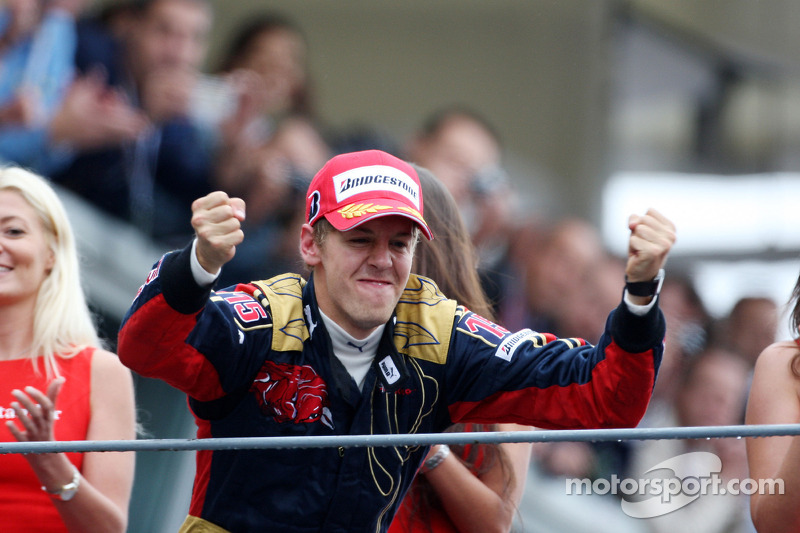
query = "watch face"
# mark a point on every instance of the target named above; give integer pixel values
(68, 491)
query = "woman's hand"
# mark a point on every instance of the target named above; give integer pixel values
(36, 412)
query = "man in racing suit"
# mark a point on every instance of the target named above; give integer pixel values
(364, 347)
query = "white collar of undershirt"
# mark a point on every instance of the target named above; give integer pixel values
(356, 355)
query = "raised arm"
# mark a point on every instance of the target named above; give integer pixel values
(155, 338)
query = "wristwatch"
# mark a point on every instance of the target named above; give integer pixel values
(645, 288)
(436, 459)
(68, 491)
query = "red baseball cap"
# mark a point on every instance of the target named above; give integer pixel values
(359, 186)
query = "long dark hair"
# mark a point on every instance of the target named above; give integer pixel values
(450, 258)
(451, 261)
(794, 323)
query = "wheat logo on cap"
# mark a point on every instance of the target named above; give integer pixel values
(358, 186)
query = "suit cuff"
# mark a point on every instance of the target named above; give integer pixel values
(201, 276)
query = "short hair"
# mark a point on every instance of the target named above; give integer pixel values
(434, 123)
(62, 322)
(322, 229)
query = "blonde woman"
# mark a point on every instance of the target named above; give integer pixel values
(56, 382)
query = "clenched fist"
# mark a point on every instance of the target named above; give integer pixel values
(652, 237)
(217, 222)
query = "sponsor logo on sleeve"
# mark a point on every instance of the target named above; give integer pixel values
(510, 344)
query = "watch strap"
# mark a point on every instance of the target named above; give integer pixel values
(645, 288)
(66, 492)
(436, 459)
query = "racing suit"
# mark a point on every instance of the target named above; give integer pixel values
(255, 360)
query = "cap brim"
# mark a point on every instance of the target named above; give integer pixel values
(353, 215)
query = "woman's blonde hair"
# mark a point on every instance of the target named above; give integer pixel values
(62, 322)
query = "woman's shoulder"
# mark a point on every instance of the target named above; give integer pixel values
(107, 363)
(774, 395)
(779, 352)
(778, 359)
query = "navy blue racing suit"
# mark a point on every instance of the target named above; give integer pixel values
(255, 360)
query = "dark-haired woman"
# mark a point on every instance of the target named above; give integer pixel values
(475, 487)
(775, 399)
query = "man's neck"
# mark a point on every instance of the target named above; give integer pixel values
(355, 354)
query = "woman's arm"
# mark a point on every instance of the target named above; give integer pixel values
(488, 503)
(774, 400)
(101, 503)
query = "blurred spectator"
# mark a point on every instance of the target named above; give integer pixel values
(37, 41)
(271, 147)
(274, 47)
(44, 113)
(552, 262)
(566, 268)
(275, 196)
(711, 392)
(582, 309)
(101, 38)
(463, 149)
(268, 59)
(688, 324)
(751, 326)
(581, 314)
(153, 180)
(566, 275)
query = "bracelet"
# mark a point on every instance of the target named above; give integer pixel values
(436, 459)
(66, 492)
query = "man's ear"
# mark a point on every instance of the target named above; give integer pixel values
(309, 249)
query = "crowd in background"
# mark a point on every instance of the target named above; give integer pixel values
(120, 107)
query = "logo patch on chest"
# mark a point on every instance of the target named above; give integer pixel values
(292, 393)
(389, 370)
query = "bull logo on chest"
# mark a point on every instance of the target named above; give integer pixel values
(292, 393)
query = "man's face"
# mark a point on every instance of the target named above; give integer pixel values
(360, 274)
(457, 153)
(170, 34)
(712, 396)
